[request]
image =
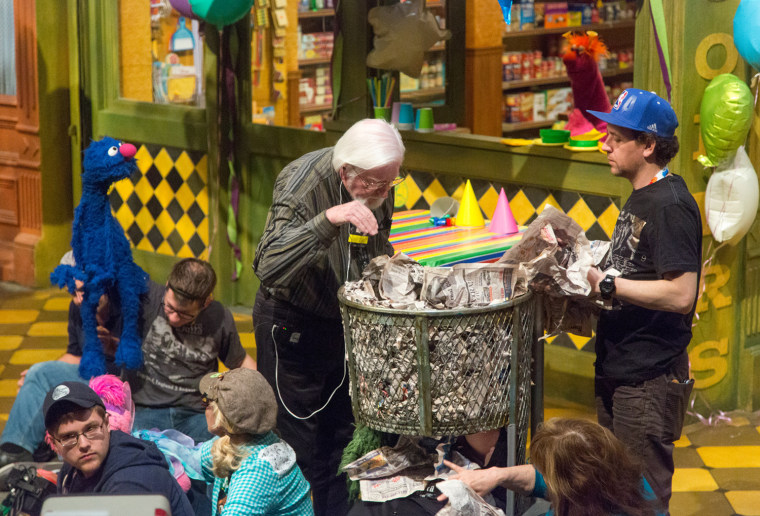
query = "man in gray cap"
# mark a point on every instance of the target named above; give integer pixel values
(98, 460)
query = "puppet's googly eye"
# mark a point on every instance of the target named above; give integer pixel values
(113, 151)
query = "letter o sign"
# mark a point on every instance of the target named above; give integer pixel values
(700, 59)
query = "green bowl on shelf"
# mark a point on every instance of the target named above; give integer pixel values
(554, 136)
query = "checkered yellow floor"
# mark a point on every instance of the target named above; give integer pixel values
(717, 468)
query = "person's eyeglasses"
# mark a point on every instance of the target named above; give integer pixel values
(94, 432)
(183, 316)
(378, 185)
(369, 184)
(205, 400)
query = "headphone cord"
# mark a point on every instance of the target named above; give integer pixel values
(277, 381)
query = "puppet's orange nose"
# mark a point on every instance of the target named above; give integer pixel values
(127, 150)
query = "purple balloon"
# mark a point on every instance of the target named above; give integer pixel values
(183, 8)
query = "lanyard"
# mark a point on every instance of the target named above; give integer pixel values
(662, 173)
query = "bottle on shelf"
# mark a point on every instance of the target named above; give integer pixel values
(534, 78)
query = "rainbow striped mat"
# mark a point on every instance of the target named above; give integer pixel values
(413, 234)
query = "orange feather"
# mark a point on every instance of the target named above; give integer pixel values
(583, 43)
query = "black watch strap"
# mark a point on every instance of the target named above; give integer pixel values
(607, 286)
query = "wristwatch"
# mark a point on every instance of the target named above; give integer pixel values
(607, 286)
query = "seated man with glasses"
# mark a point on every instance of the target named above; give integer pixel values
(184, 333)
(303, 257)
(100, 461)
(187, 333)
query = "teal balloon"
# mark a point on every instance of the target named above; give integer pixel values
(747, 31)
(221, 12)
(725, 117)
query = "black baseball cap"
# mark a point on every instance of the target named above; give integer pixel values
(68, 397)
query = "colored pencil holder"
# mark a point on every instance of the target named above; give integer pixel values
(383, 112)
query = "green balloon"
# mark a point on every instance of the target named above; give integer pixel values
(221, 12)
(725, 118)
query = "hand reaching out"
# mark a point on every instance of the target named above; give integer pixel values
(482, 481)
(594, 276)
(356, 213)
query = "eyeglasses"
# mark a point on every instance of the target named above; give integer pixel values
(378, 185)
(205, 400)
(369, 184)
(183, 316)
(94, 432)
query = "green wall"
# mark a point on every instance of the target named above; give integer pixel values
(55, 156)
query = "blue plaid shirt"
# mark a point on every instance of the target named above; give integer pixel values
(268, 481)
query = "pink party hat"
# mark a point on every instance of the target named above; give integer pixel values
(503, 222)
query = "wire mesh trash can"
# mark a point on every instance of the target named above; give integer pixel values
(442, 372)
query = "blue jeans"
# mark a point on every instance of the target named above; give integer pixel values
(26, 425)
(187, 421)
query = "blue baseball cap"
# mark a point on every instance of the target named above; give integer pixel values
(641, 111)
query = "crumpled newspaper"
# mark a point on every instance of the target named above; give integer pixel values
(400, 282)
(555, 256)
(387, 461)
(463, 501)
(388, 473)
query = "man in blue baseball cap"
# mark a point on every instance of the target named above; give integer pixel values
(650, 278)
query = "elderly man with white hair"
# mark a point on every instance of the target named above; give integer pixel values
(303, 257)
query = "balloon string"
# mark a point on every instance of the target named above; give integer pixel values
(711, 253)
(715, 416)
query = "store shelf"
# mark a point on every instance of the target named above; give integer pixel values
(422, 95)
(561, 79)
(319, 13)
(314, 108)
(622, 24)
(521, 126)
(314, 61)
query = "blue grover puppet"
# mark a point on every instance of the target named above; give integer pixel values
(103, 257)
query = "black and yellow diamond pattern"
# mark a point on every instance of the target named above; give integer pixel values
(595, 214)
(163, 207)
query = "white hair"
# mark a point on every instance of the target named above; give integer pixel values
(369, 144)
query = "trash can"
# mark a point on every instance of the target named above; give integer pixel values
(442, 372)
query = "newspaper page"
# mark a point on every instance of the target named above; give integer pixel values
(470, 284)
(401, 282)
(384, 489)
(386, 461)
(554, 256)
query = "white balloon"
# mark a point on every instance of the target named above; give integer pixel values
(731, 199)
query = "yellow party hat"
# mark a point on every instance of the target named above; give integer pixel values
(469, 213)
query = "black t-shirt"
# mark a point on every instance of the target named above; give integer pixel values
(659, 230)
(175, 359)
(76, 334)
